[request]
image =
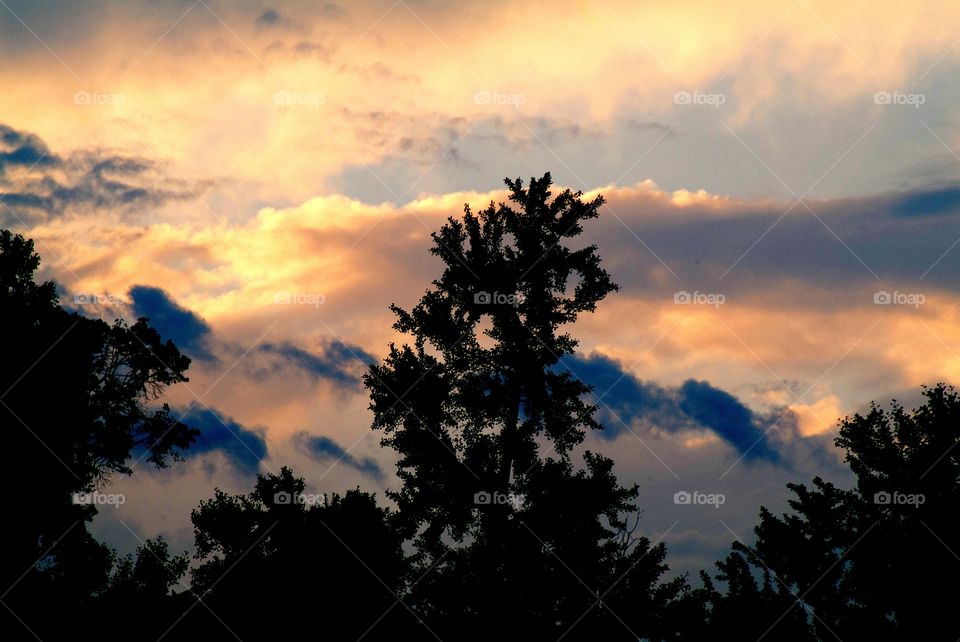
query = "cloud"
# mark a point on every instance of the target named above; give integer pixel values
(24, 149)
(729, 418)
(335, 361)
(46, 184)
(627, 396)
(794, 95)
(931, 201)
(243, 447)
(693, 405)
(748, 249)
(186, 329)
(268, 18)
(325, 449)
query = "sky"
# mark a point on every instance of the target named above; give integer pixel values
(261, 180)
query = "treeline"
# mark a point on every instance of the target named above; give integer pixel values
(497, 529)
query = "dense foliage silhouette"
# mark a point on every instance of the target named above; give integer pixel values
(275, 559)
(509, 534)
(76, 404)
(871, 562)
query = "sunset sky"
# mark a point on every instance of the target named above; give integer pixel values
(261, 180)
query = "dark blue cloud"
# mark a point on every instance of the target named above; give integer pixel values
(21, 148)
(335, 362)
(623, 393)
(27, 200)
(928, 202)
(325, 449)
(187, 330)
(244, 447)
(728, 417)
(86, 180)
(695, 404)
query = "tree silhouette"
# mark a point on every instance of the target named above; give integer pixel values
(506, 531)
(752, 610)
(138, 595)
(274, 558)
(76, 402)
(864, 562)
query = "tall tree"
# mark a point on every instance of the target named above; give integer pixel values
(485, 419)
(77, 400)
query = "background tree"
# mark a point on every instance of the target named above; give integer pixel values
(272, 562)
(874, 562)
(485, 418)
(139, 595)
(752, 608)
(76, 402)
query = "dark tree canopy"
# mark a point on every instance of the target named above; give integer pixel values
(76, 404)
(271, 561)
(872, 562)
